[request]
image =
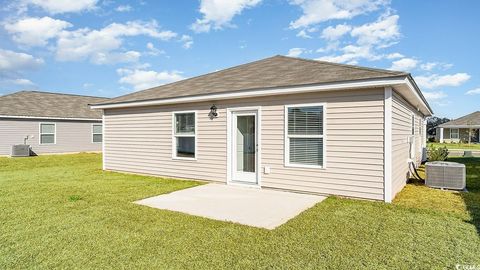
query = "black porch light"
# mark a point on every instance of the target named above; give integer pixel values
(213, 111)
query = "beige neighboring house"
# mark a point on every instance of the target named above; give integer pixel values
(50, 122)
(281, 122)
(464, 129)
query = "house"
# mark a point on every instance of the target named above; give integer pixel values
(50, 122)
(281, 122)
(464, 129)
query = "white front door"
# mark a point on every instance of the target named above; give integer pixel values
(244, 135)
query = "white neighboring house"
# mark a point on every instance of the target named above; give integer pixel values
(50, 122)
(281, 122)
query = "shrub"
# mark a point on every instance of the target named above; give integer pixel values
(437, 153)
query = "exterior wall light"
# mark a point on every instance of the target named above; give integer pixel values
(213, 112)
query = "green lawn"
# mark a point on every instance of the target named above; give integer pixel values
(64, 212)
(457, 145)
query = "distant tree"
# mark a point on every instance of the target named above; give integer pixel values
(433, 122)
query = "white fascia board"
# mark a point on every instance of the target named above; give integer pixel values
(262, 92)
(51, 118)
(417, 96)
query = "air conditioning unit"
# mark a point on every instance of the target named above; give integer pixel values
(20, 150)
(443, 174)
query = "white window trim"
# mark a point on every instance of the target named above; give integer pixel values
(40, 133)
(286, 142)
(97, 124)
(458, 134)
(174, 141)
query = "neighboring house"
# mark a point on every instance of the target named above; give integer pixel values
(50, 122)
(464, 129)
(281, 122)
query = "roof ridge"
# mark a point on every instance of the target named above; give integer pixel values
(393, 72)
(57, 93)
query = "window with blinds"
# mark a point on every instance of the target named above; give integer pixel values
(305, 135)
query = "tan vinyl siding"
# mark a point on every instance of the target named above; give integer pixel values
(71, 136)
(140, 140)
(401, 131)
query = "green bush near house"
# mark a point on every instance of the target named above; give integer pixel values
(437, 153)
(41, 228)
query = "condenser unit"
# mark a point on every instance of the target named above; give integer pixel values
(20, 150)
(443, 174)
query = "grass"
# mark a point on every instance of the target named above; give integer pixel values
(65, 212)
(473, 146)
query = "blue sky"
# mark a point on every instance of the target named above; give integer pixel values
(110, 48)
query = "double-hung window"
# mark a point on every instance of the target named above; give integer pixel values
(454, 133)
(184, 135)
(305, 135)
(97, 134)
(47, 133)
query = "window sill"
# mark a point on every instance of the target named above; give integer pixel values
(184, 158)
(305, 166)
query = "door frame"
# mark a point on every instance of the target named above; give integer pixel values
(258, 131)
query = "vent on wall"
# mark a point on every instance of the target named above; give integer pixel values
(20, 150)
(448, 175)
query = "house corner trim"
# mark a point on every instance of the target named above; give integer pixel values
(387, 151)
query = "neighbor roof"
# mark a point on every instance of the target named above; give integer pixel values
(49, 105)
(472, 119)
(276, 71)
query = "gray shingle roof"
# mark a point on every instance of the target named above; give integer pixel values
(276, 71)
(45, 104)
(472, 119)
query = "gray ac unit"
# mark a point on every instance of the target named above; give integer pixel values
(443, 174)
(20, 150)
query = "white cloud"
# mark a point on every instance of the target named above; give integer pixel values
(218, 14)
(295, 52)
(63, 6)
(404, 64)
(35, 31)
(102, 58)
(473, 92)
(436, 80)
(381, 33)
(351, 54)
(187, 41)
(152, 50)
(143, 79)
(11, 61)
(369, 38)
(394, 55)
(21, 82)
(317, 11)
(334, 33)
(431, 65)
(124, 8)
(434, 95)
(100, 46)
(303, 34)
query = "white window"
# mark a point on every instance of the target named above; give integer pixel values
(47, 133)
(305, 135)
(184, 135)
(454, 133)
(97, 134)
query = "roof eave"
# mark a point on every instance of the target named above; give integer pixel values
(50, 118)
(393, 81)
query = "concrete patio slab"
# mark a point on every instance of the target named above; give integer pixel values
(262, 208)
